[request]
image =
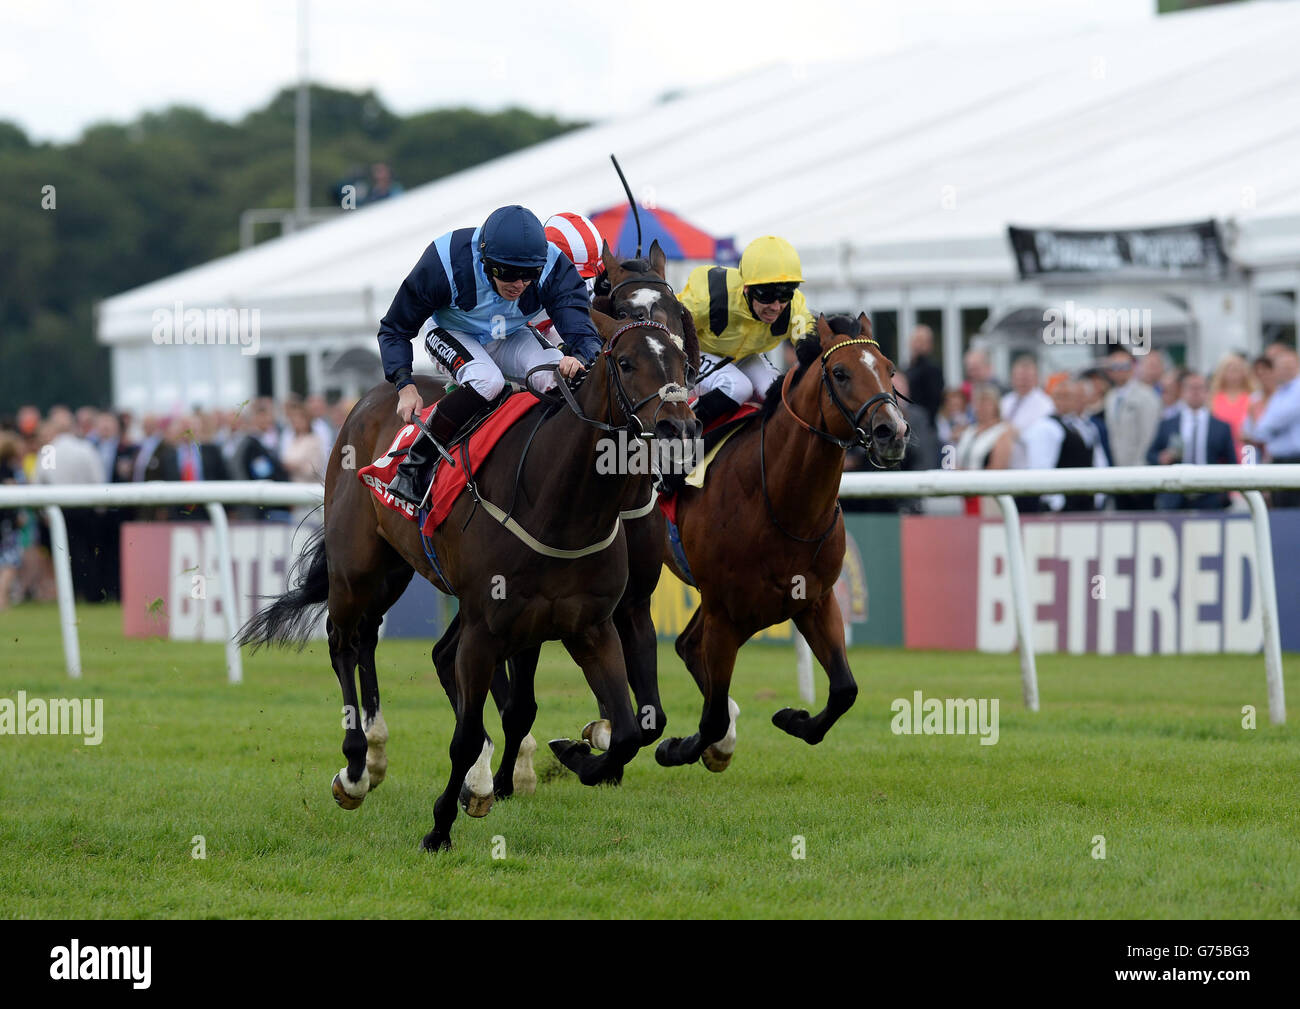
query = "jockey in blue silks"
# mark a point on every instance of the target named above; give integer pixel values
(481, 286)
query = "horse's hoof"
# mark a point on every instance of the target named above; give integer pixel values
(598, 733)
(787, 718)
(342, 797)
(475, 805)
(570, 752)
(714, 760)
(664, 753)
(433, 843)
(377, 774)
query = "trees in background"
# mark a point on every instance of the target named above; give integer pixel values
(132, 203)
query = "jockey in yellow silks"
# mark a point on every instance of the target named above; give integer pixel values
(739, 315)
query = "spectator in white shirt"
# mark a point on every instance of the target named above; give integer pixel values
(1064, 440)
(1025, 404)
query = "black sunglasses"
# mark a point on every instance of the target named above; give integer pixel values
(767, 293)
(508, 274)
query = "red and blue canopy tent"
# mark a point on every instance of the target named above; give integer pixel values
(678, 238)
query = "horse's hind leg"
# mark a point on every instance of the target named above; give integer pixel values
(600, 654)
(708, 646)
(372, 718)
(823, 626)
(352, 783)
(517, 702)
(469, 745)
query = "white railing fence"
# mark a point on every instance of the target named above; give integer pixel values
(1003, 485)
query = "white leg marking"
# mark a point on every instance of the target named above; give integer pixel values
(376, 748)
(356, 789)
(479, 778)
(727, 744)
(525, 778)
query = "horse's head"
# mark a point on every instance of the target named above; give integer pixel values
(645, 371)
(639, 289)
(857, 379)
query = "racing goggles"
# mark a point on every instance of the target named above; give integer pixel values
(765, 294)
(509, 274)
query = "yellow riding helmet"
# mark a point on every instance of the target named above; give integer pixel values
(770, 260)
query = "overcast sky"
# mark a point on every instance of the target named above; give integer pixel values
(67, 63)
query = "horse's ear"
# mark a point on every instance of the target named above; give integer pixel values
(612, 270)
(824, 332)
(605, 326)
(657, 258)
(864, 325)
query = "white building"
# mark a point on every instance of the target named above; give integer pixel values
(896, 178)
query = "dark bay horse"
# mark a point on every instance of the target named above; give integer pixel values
(513, 594)
(638, 292)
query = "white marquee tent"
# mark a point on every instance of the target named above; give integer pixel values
(896, 177)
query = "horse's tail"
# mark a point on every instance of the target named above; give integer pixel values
(290, 619)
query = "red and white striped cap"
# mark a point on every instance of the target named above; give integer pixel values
(578, 239)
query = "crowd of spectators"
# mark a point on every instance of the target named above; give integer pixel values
(260, 441)
(1122, 411)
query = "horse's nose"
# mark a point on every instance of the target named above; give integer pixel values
(890, 437)
(672, 429)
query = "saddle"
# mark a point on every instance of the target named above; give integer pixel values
(448, 477)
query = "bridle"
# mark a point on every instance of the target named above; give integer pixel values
(693, 374)
(670, 392)
(868, 409)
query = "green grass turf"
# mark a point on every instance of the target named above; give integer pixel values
(1199, 815)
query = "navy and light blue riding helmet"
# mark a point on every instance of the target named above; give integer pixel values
(514, 236)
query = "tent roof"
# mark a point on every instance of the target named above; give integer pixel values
(933, 149)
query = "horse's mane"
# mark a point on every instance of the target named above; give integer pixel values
(807, 350)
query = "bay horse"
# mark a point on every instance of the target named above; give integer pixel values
(513, 594)
(764, 537)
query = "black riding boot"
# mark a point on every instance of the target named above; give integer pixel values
(453, 412)
(713, 405)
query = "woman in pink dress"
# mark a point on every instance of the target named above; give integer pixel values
(1231, 391)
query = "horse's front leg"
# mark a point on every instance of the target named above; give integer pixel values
(599, 653)
(470, 747)
(708, 646)
(636, 630)
(823, 626)
(519, 710)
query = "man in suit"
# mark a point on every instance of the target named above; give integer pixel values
(1195, 437)
(1132, 415)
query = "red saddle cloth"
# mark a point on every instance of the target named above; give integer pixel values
(450, 478)
(668, 502)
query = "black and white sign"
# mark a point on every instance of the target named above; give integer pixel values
(1182, 250)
